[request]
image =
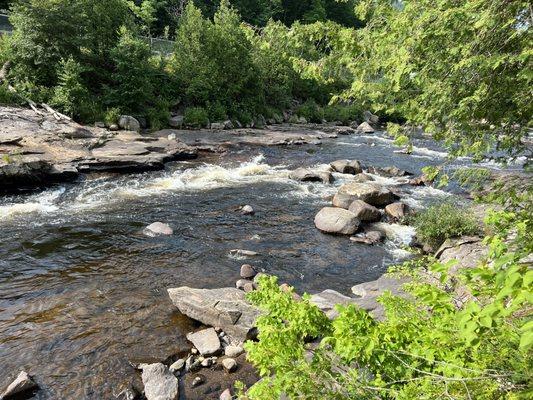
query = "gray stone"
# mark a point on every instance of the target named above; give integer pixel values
(389, 172)
(114, 127)
(219, 126)
(352, 167)
(370, 118)
(369, 238)
(228, 124)
(243, 253)
(468, 250)
(198, 380)
(159, 383)
(176, 121)
(308, 175)
(229, 364)
(371, 193)
(364, 211)
(241, 283)
(233, 351)
(226, 308)
(206, 341)
(396, 211)
(247, 210)
(226, 395)
(337, 221)
(129, 123)
(22, 384)
(365, 128)
(247, 271)
(249, 287)
(328, 299)
(158, 229)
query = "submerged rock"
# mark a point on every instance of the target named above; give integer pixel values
(158, 229)
(23, 383)
(362, 177)
(226, 308)
(388, 172)
(247, 210)
(206, 341)
(308, 175)
(370, 238)
(159, 383)
(336, 220)
(352, 167)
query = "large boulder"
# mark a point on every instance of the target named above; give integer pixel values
(206, 341)
(370, 118)
(22, 384)
(337, 221)
(328, 299)
(468, 250)
(371, 193)
(364, 211)
(308, 175)
(347, 166)
(176, 121)
(129, 123)
(159, 383)
(226, 308)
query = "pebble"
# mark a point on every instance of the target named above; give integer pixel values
(229, 364)
(249, 287)
(177, 366)
(197, 381)
(226, 395)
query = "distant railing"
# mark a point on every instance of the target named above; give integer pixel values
(159, 46)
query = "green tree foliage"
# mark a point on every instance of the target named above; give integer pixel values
(462, 69)
(71, 95)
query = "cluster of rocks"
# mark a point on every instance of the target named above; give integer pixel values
(358, 202)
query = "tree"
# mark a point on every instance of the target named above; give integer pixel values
(462, 69)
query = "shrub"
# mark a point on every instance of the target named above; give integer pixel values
(342, 113)
(71, 94)
(112, 115)
(443, 221)
(311, 111)
(158, 115)
(216, 112)
(7, 97)
(196, 117)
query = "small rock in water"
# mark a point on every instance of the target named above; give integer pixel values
(229, 364)
(352, 167)
(177, 366)
(233, 351)
(396, 211)
(247, 271)
(248, 210)
(158, 229)
(206, 341)
(22, 383)
(243, 253)
(365, 128)
(159, 383)
(336, 221)
(198, 380)
(226, 395)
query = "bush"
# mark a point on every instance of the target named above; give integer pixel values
(112, 115)
(70, 95)
(7, 97)
(196, 117)
(158, 115)
(216, 112)
(342, 113)
(443, 221)
(311, 111)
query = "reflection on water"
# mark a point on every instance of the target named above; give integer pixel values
(82, 291)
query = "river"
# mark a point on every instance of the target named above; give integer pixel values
(82, 291)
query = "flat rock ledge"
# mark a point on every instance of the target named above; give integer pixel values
(226, 308)
(36, 150)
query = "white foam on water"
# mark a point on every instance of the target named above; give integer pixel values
(45, 202)
(401, 235)
(420, 196)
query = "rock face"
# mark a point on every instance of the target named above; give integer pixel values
(23, 383)
(159, 383)
(373, 194)
(469, 250)
(364, 211)
(370, 118)
(396, 211)
(307, 175)
(226, 308)
(206, 341)
(158, 229)
(328, 299)
(36, 149)
(336, 220)
(347, 166)
(129, 123)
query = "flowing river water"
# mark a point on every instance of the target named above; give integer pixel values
(82, 291)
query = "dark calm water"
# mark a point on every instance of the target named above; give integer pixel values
(82, 291)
